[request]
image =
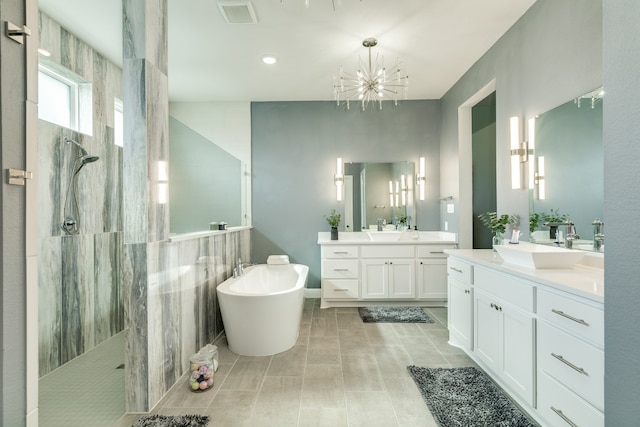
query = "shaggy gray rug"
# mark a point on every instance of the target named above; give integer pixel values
(466, 397)
(393, 315)
(172, 421)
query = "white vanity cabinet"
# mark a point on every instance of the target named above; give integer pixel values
(388, 272)
(570, 360)
(431, 271)
(360, 269)
(538, 333)
(340, 272)
(504, 329)
(460, 296)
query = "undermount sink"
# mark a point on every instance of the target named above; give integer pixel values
(538, 256)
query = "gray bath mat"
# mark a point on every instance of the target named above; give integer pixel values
(466, 397)
(393, 315)
(172, 421)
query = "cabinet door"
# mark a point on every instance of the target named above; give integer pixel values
(402, 279)
(432, 278)
(375, 279)
(487, 330)
(460, 314)
(517, 351)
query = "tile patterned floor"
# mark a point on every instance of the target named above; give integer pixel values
(87, 391)
(341, 372)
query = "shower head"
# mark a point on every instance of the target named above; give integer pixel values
(87, 158)
(84, 156)
(82, 150)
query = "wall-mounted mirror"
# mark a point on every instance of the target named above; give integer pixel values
(206, 182)
(569, 167)
(378, 190)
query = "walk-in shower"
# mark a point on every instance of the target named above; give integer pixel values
(71, 218)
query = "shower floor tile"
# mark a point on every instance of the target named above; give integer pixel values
(87, 391)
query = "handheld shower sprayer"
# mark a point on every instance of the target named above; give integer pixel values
(70, 223)
(84, 156)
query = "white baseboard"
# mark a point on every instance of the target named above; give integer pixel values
(313, 293)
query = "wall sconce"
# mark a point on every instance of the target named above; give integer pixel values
(539, 179)
(421, 178)
(519, 152)
(339, 179)
(391, 198)
(163, 181)
(531, 127)
(403, 190)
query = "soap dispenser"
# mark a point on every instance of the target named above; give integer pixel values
(416, 234)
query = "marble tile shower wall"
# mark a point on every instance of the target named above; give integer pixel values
(183, 309)
(80, 297)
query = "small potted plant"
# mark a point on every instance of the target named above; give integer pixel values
(334, 221)
(402, 221)
(534, 223)
(498, 224)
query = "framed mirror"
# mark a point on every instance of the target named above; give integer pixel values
(379, 190)
(568, 166)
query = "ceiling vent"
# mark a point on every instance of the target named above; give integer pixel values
(237, 12)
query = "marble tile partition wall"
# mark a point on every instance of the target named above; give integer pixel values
(172, 308)
(80, 302)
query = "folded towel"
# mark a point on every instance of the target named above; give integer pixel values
(278, 259)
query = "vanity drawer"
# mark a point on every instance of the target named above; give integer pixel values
(555, 402)
(580, 318)
(340, 269)
(509, 288)
(339, 251)
(388, 251)
(460, 270)
(432, 251)
(573, 362)
(340, 289)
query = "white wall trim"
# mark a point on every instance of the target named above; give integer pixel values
(313, 293)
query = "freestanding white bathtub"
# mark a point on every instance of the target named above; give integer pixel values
(262, 309)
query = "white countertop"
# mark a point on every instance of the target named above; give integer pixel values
(388, 238)
(581, 279)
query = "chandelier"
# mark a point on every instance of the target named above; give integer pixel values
(371, 83)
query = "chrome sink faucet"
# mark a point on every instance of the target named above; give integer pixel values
(598, 235)
(570, 235)
(379, 224)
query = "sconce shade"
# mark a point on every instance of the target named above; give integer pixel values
(339, 179)
(421, 178)
(515, 132)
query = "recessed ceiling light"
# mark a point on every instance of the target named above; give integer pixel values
(269, 59)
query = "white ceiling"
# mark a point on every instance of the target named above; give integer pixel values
(210, 60)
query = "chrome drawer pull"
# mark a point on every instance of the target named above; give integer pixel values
(341, 253)
(436, 252)
(340, 269)
(569, 364)
(341, 290)
(564, 417)
(455, 269)
(575, 319)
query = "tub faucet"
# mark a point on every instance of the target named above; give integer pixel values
(570, 235)
(239, 270)
(598, 235)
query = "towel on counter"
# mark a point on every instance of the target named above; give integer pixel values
(278, 259)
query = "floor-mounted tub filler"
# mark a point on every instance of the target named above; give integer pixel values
(262, 308)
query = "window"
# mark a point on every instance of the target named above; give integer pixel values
(64, 98)
(118, 123)
(56, 99)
